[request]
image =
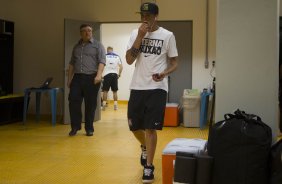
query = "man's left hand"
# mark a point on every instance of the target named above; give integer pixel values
(98, 79)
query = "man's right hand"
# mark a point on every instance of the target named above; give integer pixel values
(143, 29)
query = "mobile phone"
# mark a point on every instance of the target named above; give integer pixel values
(156, 75)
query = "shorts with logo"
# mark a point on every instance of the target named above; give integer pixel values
(146, 109)
(110, 81)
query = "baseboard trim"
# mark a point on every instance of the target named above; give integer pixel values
(119, 101)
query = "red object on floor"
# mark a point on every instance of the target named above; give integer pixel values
(171, 115)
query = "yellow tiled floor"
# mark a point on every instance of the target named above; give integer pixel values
(41, 154)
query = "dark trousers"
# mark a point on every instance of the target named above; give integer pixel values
(280, 119)
(280, 103)
(83, 88)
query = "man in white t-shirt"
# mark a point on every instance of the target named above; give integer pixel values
(155, 52)
(111, 74)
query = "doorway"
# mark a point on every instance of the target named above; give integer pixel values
(117, 35)
(182, 78)
(72, 36)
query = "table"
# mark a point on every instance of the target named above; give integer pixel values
(38, 91)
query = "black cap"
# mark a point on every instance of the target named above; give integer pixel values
(151, 8)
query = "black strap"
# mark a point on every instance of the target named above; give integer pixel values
(238, 114)
(229, 116)
(247, 116)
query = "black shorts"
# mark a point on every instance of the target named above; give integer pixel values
(146, 109)
(110, 81)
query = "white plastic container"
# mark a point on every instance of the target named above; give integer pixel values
(191, 108)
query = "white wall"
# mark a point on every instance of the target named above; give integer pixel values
(39, 34)
(247, 59)
(117, 36)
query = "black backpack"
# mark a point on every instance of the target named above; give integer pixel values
(276, 163)
(240, 146)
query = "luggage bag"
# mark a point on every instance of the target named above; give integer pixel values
(276, 163)
(240, 146)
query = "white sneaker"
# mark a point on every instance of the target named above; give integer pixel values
(103, 107)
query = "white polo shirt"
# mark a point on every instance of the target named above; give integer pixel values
(112, 64)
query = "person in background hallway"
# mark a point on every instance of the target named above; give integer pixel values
(112, 73)
(155, 52)
(84, 78)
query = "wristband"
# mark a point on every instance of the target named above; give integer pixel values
(134, 52)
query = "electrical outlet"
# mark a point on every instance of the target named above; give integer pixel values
(213, 63)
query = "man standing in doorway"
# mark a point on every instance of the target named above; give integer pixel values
(155, 52)
(111, 75)
(84, 79)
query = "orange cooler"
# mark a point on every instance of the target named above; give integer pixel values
(171, 115)
(194, 146)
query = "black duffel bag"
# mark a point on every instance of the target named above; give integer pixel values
(276, 163)
(240, 146)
